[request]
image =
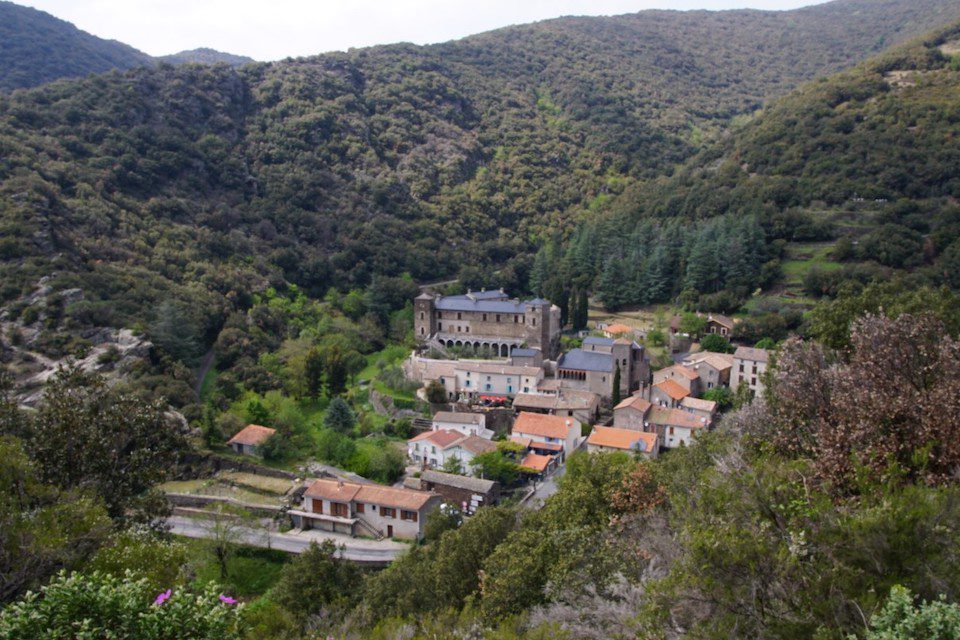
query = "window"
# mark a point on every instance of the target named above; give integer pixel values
(603, 378)
(468, 383)
(754, 369)
(509, 380)
(534, 320)
(484, 317)
(439, 315)
(671, 430)
(498, 317)
(459, 329)
(516, 319)
(421, 330)
(509, 389)
(433, 449)
(360, 507)
(489, 388)
(459, 316)
(421, 315)
(316, 506)
(488, 378)
(439, 326)
(408, 515)
(339, 510)
(526, 389)
(388, 512)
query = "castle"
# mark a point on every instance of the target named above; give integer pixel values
(488, 320)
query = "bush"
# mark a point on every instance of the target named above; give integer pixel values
(103, 606)
(716, 343)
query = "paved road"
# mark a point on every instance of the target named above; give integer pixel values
(356, 549)
(545, 489)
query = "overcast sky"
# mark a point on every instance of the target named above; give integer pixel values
(275, 29)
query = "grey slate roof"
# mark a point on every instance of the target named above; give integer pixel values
(601, 342)
(581, 360)
(463, 303)
(750, 353)
(460, 482)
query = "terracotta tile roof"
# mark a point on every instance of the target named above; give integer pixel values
(369, 494)
(477, 445)
(252, 435)
(673, 389)
(698, 403)
(676, 418)
(536, 462)
(625, 439)
(538, 424)
(690, 374)
(443, 438)
(520, 440)
(633, 402)
(618, 327)
(719, 361)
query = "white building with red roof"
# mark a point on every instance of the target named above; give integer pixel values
(247, 441)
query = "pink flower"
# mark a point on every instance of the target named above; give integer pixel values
(163, 597)
(227, 600)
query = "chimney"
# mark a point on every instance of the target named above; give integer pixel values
(339, 483)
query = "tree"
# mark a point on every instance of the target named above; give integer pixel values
(692, 324)
(716, 343)
(316, 580)
(447, 518)
(453, 465)
(118, 445)
(339, 416)
(42, 528)
(175, 331)
(494, 465)
(124, 608)
(313, 367)
(225, 529)
(436, 393)
(616, 393)
(723, 396)
(901, 619)
(885, 412)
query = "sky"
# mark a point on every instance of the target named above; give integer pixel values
(275, 29)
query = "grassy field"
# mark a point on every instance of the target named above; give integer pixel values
(250, 571)
(264, 484)
(214, 487)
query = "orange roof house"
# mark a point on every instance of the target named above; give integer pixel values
(543, 425)
(672, 389)
(614, 439)
(249, 438)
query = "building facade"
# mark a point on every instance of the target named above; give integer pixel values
(749, 365)
(365, 509)
(593, 367)
(487, 320)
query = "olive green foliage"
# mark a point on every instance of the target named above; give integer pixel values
(901, 619)
(557, 543)
(316, 581)
(38, 48)
(114, 444)
(716, 343)
(159, 560)
(101, 606)
(202, 184)
(440, 575)
(42, 528)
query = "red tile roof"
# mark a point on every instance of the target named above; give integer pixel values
(673, 389)
(536, 462)
(545, 426)
(443, 438)
(369, 494)
(633, 402)
(252, 435)
(625, 439)
(676, 418)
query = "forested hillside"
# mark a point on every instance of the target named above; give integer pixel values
(206, 55)
(36, 47)
(202, 183)
(863, 165)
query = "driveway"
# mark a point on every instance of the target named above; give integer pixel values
(546, 488)
(355, 549)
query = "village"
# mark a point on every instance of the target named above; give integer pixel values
(508, 407)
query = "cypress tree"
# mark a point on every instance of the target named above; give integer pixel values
(616, 386)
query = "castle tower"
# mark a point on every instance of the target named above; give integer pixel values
(424, 317)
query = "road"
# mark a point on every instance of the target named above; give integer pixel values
(545, 489)
(355, 549)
